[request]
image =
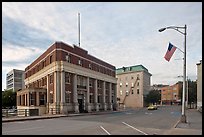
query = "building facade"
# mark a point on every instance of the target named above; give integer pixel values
(170, 94)
(199, 85)
(15, 80)
(66, 79)
(133, 84)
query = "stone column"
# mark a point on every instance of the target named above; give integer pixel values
(48, 95)
(110, 97)
(96, 95)
(28, 99)
(88, 107)
(115, 106)
(104, 96)
(57, 91)
(21, 100)
(62, 103)
(25, 99)
(75, 95)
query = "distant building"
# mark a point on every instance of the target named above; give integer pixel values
(199, 85)
(15, 80)
(157, 86)
(133, 84)
(170, 94)
(66, 79)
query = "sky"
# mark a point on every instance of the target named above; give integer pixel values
(119, 33)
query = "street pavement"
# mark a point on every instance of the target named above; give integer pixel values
(193, 126)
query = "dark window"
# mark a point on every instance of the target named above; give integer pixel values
(51, 59)
(67, 77)
(42, 98)
(33, 98)
(91, 98)
(51, 79)
(138, 91)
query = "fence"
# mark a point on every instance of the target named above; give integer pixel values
(19, 112)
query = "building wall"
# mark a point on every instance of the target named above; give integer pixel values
(15, 80)
(131, 88)
(86, 80)
(170, 94)
(199, 84)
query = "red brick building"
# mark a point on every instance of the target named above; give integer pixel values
(67, 79)
(170, 94)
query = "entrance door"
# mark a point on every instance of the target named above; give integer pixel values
(80, 101)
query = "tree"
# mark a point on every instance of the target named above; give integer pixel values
(8, 98)
(153, 97)
(192, 92)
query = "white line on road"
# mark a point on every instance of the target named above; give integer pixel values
(105, 130)
(135, 128)
(21, 129)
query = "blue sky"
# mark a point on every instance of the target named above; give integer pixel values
(122, 34)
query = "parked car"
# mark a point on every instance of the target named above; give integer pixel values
(152, 107)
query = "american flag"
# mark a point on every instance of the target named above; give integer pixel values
(170, 51)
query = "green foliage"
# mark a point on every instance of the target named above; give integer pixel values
(192, 91)
(153, 97)
(8, 98)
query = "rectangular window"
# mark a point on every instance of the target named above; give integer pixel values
(121, 84)
(42, 98)
(132, 91)
(90, 66)
(138, 91)
(68, 58)
(90, 83)
(51, 97)
(99, 84)
(67, 96)
(91, 98)
(32, 98)
(51, 79)
(51, 59)
(67, 78)
(121, 92)
(80, 62)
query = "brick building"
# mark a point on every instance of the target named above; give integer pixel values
(170, 94)
(66, 79)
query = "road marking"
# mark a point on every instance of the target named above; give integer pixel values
(148, 113)
(135, 128)
(105, 130)
(21, 129)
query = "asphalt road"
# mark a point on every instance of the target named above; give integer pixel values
(129, 122)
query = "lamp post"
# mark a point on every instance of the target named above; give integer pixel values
(183, 116)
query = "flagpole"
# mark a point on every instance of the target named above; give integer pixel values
(79, 27)
(183, 116)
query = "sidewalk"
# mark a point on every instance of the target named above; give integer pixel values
(192, 127)
(11, 119)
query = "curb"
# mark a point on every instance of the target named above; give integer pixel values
(49, 117)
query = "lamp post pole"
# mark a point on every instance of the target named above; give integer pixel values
(183, 116)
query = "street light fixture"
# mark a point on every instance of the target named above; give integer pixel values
(183, 116)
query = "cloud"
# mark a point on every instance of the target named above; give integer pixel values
(122, 34)
(16, 53)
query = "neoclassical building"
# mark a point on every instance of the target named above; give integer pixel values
(66, 79)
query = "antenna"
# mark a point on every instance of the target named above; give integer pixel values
(79, 27)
